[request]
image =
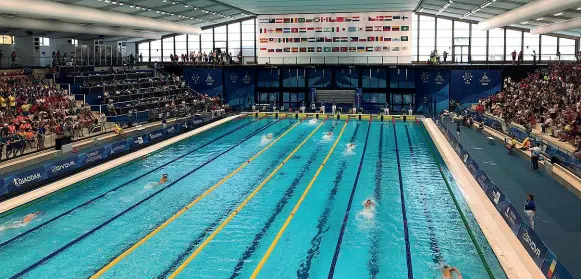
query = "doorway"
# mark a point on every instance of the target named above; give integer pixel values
(461, 54)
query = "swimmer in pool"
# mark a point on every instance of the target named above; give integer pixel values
(30, 216)
(269, 136)
(329, 134)
(19, 224)
(369, 204)
(350, 145)
(163, 179)
(448, 272)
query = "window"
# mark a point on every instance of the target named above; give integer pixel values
(181, 45)
(478, 44)
(143, 50)
(207, 40)
(444, 36)
(513, 43)
(220, 38)
(267, 98)
(6, 40)
(548, 48)
(74, 42)
(292, 99)
(374, 102)
(155, 51)
(44, 41)
(168, 48)
(567, 49)
(248, 41)
(531, 43)
(496, 44)
(194, 43)
(426, 37)
(234, 30)
(414, 37)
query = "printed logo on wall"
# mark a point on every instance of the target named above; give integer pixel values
(209, 80)
(195, 78)
(247, 78)
(233, 77)
(439, 79)
(467, 77)
(484, 80)
(425, 77)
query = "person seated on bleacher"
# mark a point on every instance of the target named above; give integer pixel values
(511, 145)
(480, 127)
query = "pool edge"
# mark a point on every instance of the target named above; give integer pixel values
(512, 256)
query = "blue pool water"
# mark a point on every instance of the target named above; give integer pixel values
(366, 244)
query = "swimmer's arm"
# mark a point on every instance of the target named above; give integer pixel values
(457, 271)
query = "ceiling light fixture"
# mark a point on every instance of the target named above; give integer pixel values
(186, 6)
(540, 18)
(445, 6)
(558, 14)
(526, 22)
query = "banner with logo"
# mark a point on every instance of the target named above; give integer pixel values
(24, 179)
(553, 269)
(432, 86)
(92, 156)
(62, 166)
(358, 96)
(238, 87)
(140, 140)
(118, 147)
(533, 244)
(469, 86)
(205, 81)
(510, 215)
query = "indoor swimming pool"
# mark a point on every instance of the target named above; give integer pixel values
(264, 198)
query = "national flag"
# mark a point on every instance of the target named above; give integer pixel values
(403, 48)
(344, 39)
(355, 18)
(340, 19)
(327, 49)
(369, 28)
(287, 20)
(294, 30)
(320, 39)
(272, 20)
(271, 40)
(324, 19)
(336, 39)
(369, 49)
(312, 39)
(310, 28)
(370, 39)
(316, 19)
(264, 20)
(279, 40)
(304, 40)
(308, 20)
(279, 20)
(270, 30)
(405, 28)
(361, 29)
(328, 29)
(386, 49)
(379, 18)
(303, 49)
(552, 269)
(301, 20)
(271, 50)
(263, 49)
(344, 49)
(292, 20)
(328, 39)
(311, 49)
(363, 39)
(360, 49)
(302, 30)
(286, 30)
(386, 28)
(377, 49)
(387, 18)
(386, 39)
(332, 19)
(404, 38)
(263, 40)
(318, 29)
(378, 28)
(353, 39)
(379, 38)
(371, 19)
(351, 29)
(352, 49)
(396, 40)
(287, 49)
(347, 19)
(395, 28)
(279, 50)
(279, 30)
(403, 17)
(335, 49)
(396, 17)
(395, 49)
(296, 40)
(319, 49)
(295, 49)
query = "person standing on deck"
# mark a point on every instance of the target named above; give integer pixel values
(535, 154)
(531, 209)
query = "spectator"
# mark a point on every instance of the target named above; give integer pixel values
(13, 57)
(445, 54)
(1, 60)
(513, 54)
(531, 210)
(140, 58)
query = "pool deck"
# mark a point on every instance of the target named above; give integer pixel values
(65, 182)
(511, 254)
(558, 221)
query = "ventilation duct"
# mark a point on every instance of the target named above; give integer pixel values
(531, 10)
(53, 10)
(558, 26)
(45, 25)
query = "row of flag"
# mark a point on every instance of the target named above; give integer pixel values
(283, 20)
(337, 49)
(280, 40)
(383, 28)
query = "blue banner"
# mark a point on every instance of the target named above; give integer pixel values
(553, 269)
(358, 95)
(469, 86)
(26, 178)
(118, 147)
(238, 87)
(62, 166)
(173, 129)
(432, 86)
(494, 194)
(483, 179)
(140, 140)
(93, 156)
(205, 81)
(510, 215)
(156, 135)
(533, 244)
(3, 189)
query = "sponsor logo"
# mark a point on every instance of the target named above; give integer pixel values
(510, 215)
(138, 140)
(156, 135)
(118, 148)
(495, 196)
(484, 80)
(93, 157)
(171, 129)
(197, 121)
(233, 77)
(209, 80)
(247, 79)
(195, 78)
(532, 245)
(467, 77)
(425, 76)
(439, 79)
(62, 166)
(19, 181)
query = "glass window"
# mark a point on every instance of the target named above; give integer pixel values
(531, 43)
(155, 50)
(143, 49)
(414, 37)
(234, 44)
(478, 44)
(248, 41)
(193, 43)
(220, 33)
(548, 48)
(207, 41)
(444, 36)
(567, 49)
(513, 43)
(495, 44)
(461, 29)
(427, 34)
(168, 48)
(181, 45)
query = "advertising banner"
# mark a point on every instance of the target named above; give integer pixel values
(93, 156)
(432, 86)
(533, 244)
(62, 166)
(469, 86)
(25, 178)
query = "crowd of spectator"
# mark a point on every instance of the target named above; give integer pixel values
(31, 109)
(550, 97)
(203, 58)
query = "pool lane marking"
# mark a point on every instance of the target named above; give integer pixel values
(33, 202)
(194, 202)
(349, 204)
(373, 262)
(121, 186)
(403, 209)
(466, 225)
(280, 205)
(434, 246)
(83, 236)
(297, 205)
(241, 206)
(322, 226)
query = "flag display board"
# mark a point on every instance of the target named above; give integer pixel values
(340, 34)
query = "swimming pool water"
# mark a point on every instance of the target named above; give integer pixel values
(373, 242)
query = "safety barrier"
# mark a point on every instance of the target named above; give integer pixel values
(22, 181)
(537, 249)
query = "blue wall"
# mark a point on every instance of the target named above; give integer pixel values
(435, 85)
(238, 87)
(205, 81)
(470, 86)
